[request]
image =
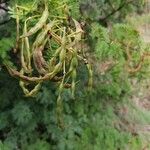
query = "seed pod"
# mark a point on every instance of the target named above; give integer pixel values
(62, 54)
(27, 92)
(51, 64)
(27, 48)
(61, 87)
(74, 62)
(39, 61)
(48, 76)
(41, 37)
(22, 85)
(17, 31)
(24, 65)
(74, 75)
(73, 65)
(38, 48)
(78, 36)
(59, 108)
(73, 89)
(90, 82)
(57, 68)
(79, 31)
(40, 23)
(53, 60)
(34, 91)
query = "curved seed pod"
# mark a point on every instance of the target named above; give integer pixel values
(61, 86)
(74, 75)
(74, 62)
(73, 65)
(59, 110)
(53, 60)
(27, 92)
(57, 68)
(78, 36)
(78, 33)
(38, 59)
(90, 82)
(40, 23)
(34, 91)
(49, 76)
(62, 54)
(27, 48)
(72, 70)
(22, 85)
(38, 48)
(41, 37)
(17, 30)
(57, 53)
(39, 62)
(24, 65)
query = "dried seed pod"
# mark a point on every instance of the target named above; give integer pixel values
(40, 23)
(23, 63)
(39, 61)
(26, 51)
(57, 68)
(43, 34)
(79, 31)
(22, 85)
(34, 91)
(38, 48)
(48, 76)
(17, 31)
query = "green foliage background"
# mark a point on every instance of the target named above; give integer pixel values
(91, 121)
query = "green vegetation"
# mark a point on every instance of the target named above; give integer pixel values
(100, 119)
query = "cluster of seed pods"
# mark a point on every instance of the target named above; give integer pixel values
(58, 38)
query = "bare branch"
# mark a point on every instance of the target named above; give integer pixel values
(116, 10)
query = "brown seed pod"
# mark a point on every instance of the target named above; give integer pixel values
(39, 61)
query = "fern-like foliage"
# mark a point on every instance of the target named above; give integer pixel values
(91, 121)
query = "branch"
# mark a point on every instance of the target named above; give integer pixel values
(3, 8)
(116, 10)
(110, 4)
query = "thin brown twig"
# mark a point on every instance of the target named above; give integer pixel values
(115, 11)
